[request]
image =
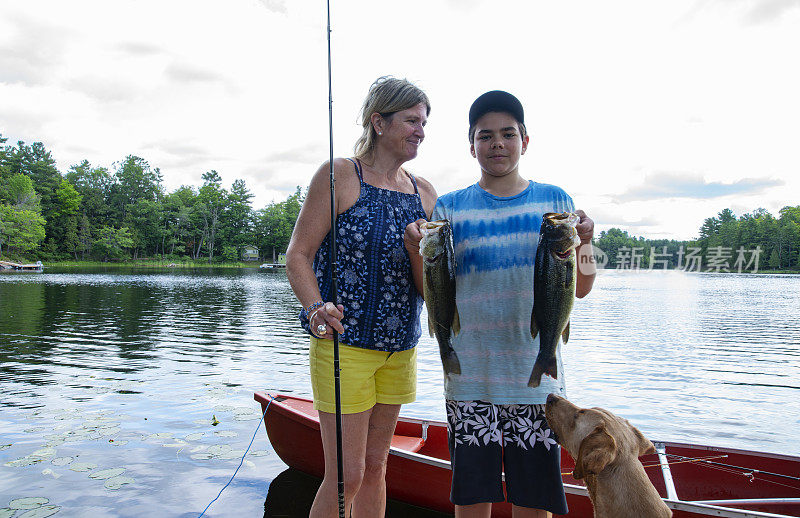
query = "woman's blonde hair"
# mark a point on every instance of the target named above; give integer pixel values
(386, 96)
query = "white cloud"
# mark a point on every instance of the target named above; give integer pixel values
(614, 93)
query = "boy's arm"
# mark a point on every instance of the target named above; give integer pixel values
(413, 234)
(587, 270)
(411, 238)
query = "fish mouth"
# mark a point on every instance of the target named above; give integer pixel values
(559, 218)
(429, 227)
(563, 255)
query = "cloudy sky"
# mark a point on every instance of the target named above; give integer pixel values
(652, 115)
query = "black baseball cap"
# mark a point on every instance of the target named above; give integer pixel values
(496, 101)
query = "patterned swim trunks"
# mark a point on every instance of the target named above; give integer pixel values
(486, 439)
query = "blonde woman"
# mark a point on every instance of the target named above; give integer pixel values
(378, 316)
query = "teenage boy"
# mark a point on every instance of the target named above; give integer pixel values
(495, 421)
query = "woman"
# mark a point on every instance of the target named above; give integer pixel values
(378, 318)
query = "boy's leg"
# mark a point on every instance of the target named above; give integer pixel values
(476, 453)
(532, 461)
(527, 512)
(483, 510)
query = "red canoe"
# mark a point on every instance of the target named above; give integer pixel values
(728, 483)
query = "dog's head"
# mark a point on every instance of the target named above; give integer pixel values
(594, 437)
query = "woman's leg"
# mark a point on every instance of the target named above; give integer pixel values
(355, 428)
(370, 500)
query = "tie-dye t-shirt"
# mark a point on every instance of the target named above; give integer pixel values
(495, 241)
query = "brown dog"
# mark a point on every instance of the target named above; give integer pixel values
(606, 450)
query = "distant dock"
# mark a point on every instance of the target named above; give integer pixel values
(8, 265)
(272, 266)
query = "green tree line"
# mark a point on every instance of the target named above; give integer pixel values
(753, 241)
(95, 213)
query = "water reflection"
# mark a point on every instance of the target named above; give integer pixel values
(292, 492)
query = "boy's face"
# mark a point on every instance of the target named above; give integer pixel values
(498, 144)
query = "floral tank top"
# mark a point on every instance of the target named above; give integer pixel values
(375, 283)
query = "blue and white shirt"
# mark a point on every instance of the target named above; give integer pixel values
(495, 240)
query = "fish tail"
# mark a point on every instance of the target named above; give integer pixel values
(549, 367)
(450, 362)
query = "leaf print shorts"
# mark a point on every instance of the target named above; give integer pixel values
(486, 439)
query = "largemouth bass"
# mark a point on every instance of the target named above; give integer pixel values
(553, 289)
(439, 284)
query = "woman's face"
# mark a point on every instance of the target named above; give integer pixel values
(403, 131)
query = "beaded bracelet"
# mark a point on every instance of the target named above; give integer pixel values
(314, 306)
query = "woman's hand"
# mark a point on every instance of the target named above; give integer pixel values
(325, 319)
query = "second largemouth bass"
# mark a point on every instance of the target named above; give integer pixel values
(553, 289)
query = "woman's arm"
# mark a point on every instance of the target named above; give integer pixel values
(313, 224)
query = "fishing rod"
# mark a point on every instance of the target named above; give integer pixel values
(334, 289)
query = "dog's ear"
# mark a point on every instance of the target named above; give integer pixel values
(597, 450)
(645, 444)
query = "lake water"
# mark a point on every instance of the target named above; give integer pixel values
(109, 379)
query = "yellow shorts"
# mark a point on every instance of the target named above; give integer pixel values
(366, 377)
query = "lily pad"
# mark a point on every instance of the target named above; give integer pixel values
(194, 436)
(83, 466)
(107, 473)
(62, 461)
(4, 446)
(258, 453)
(44, 453)
(219, 449)
(226, 433)
(105, 431)
(247, 417)
(202, 456)
(41, 512)
(117, 482)
(179, 443)
(232, 454)
(119, 443)
(5, 512)
(23, 461)
(28, 502)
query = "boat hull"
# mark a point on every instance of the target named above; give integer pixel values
(418, 472)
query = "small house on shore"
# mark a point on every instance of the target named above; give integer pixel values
(249, 253)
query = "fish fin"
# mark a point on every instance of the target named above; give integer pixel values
(456, 326)
(431, 326)
(565, 333)
(534, 327)
(450, 362)
(540, 368)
